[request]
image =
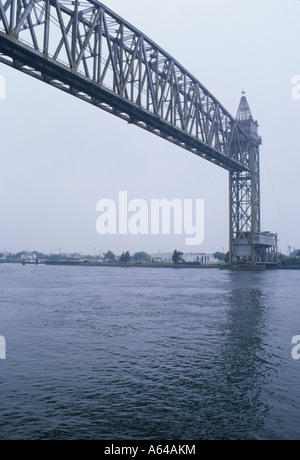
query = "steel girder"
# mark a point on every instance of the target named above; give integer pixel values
(245, 210)
(87, 50)
(247, 243)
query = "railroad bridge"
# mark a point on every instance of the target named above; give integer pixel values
(88, 51)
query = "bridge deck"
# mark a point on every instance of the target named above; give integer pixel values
(88, 51)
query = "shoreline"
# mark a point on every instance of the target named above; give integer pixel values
(129, 265)
(157, 265)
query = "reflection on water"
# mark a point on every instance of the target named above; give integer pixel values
(148, 354)
(244, 355)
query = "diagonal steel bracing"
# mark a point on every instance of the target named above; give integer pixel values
(85, 49)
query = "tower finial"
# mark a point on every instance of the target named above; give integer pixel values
(244, 112)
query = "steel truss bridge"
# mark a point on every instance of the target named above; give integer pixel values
(85, 49)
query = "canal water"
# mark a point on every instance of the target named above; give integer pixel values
(142, 353)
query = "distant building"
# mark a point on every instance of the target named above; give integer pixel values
(296, 253)
(161, 257)
(200, 257)
(29, 257)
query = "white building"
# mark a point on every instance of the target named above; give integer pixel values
(200, 257)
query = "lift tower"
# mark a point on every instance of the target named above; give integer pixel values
(248, 245)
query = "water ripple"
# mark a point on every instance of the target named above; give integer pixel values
(148, 354)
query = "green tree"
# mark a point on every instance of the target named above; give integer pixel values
(220, 256)
(39, 255)
(291, 261)
(282, 258)
(125, 257)
(109, 256)
(140, 256)
(177, 257)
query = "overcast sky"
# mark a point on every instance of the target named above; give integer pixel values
(60, 156)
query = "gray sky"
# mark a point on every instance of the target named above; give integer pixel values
(60, 156)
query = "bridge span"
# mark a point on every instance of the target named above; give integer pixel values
(85, 49)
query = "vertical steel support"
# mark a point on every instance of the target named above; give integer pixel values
(12, 15)
(255, 197)
(230, 218)
(74, 31)
(248, 245)
(47, 28)
(245, 194)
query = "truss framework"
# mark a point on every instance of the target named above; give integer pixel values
(247, 243)
(85, 49)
